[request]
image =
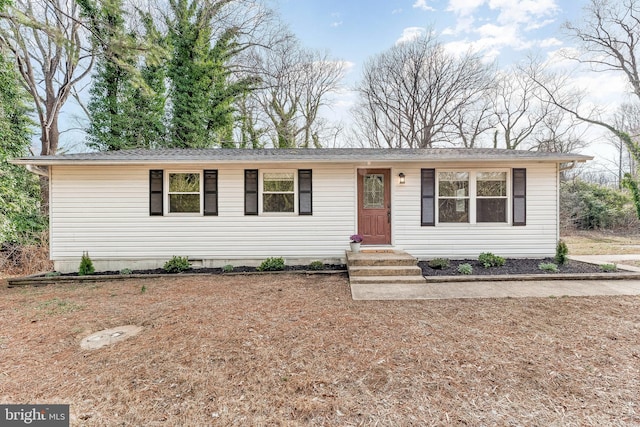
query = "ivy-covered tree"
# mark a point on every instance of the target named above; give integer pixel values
(202, 89)
(20, 218)
(126, 107)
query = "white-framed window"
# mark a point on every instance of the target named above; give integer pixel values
(453, 197)
(491, 197)
(278, 191)
(184, 195)
(473, 196)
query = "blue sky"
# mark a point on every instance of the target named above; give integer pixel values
(504, 30)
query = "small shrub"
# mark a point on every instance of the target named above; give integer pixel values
(548, 266)
(52, 274)
(143, 289)
(126, 271)
(316, 265)
(438, 263)
(86, 265)
(272, 264)
(487, 259)
(465, 268)
(227, 268)
(562, 252)
(608, 267)
(177, 264)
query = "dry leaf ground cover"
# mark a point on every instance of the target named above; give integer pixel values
(293, 349)
(601, 242)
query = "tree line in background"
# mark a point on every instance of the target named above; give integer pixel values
(229, 74)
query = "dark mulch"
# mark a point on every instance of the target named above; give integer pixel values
(240, 269)
(512, 266)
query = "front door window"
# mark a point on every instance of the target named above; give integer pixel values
(374, 191)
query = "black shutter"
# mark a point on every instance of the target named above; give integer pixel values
(305, 189)
(519, 177)
(428, 195)
(155, 192)
(251, 192)
(211, 192)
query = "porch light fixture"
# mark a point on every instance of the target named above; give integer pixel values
(401, 176)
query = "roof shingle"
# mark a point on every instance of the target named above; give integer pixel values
(308, 155)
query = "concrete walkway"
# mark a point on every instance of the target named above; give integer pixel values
(497, 289)
(618, 260)
(513, 288)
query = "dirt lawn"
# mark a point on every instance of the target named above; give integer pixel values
(599, 242)
(296, 350)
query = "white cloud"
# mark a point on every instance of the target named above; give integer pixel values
(496, 24)
(336, 24)
(410, 34)
(396, 11)
(550, 42)
(464, 25)
(523, 11)
(422, 4)
(464, 7)
(461, 47)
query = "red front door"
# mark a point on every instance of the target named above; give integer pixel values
(374, 206)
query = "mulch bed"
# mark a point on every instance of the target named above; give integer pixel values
(213, 271)
(512, 266)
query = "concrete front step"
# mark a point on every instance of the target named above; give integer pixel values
(387, 280)
(384, 270)
(386, 258)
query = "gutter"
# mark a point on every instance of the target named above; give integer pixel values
(357, 161)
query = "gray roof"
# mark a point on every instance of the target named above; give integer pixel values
(322, 155)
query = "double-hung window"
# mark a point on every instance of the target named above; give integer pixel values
(491, 197)
(453, 197)
(278, 192)
(183, 192)
(471, 196)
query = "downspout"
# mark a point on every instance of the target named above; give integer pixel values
(561, 168)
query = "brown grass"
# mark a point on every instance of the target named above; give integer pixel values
(297, 350)
(601, 242)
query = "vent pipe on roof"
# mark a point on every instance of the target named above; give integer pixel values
(38, 170)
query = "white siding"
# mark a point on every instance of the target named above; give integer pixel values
(537, 239)
(104, 210)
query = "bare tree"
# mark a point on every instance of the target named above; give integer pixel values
(608, 42)
(608, 38)
(518, 112)
(627, 119)
(559, 133)
(296, 84)
(409, 95)
(53, 54)
(471, 121)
